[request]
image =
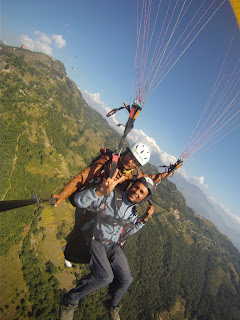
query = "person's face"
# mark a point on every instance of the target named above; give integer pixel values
(137, 192)
(129, 161)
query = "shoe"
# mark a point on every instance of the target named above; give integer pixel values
(68, 263)
(67, 310)
(113, 311)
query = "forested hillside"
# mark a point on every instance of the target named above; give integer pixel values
(183, 267)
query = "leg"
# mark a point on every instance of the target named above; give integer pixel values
(122, 276)
(101, 275)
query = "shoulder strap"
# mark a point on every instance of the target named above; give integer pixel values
(117, 198)
(135, 210)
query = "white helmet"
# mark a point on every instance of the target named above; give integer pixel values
(140, 152)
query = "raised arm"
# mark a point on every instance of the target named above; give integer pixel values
(80, 179)
(158, 177)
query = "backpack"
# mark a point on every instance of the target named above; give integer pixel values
(79, 241)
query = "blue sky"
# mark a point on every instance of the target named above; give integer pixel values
(96, 41)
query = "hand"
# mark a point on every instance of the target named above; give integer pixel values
(108, 185)
(149, 213)
(55, 200)
(171, 174)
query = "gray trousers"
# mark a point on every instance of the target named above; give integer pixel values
(114, 272)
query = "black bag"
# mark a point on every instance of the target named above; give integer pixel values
(79, 241)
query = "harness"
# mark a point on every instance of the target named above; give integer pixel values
(112, 220)
(115, 221)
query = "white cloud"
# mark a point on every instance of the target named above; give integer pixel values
(42, 42)
(28, 42)
(59, 42)
(43, 47)
(42, 37)
(2, 41)
(233, 216)
(200, 181)
(94, 101)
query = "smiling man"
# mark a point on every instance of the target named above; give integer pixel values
(117, 217)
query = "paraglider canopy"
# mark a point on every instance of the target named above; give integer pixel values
(22, 46)
(236, 10)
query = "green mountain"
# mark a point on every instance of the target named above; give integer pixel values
(183, 267)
